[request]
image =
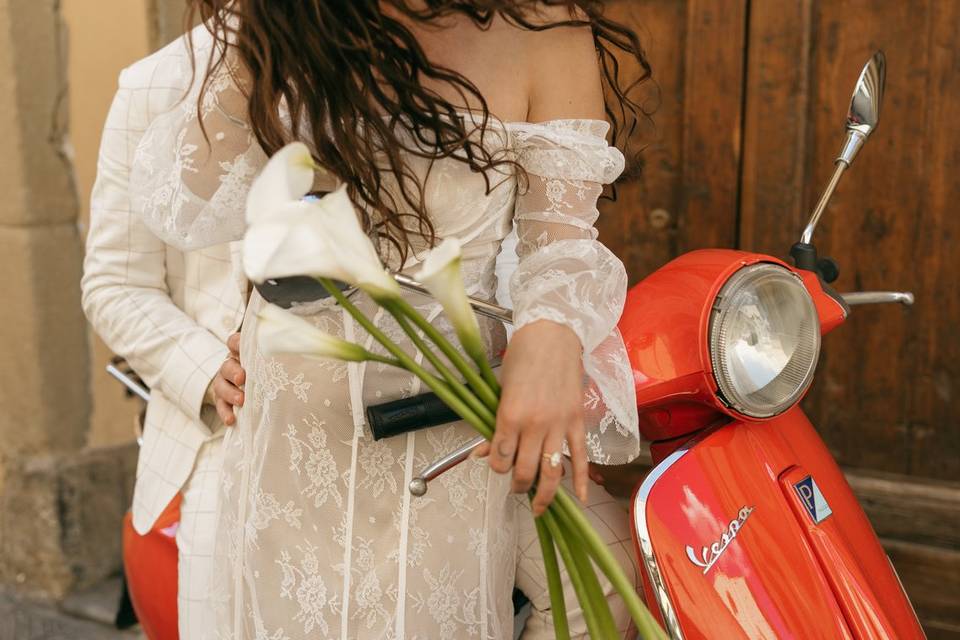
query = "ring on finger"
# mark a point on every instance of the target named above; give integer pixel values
(553, 459)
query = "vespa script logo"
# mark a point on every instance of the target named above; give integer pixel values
(710, 555)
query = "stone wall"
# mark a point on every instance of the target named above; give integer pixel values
(44, 390)
(65, 480)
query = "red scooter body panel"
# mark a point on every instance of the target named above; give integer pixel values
(150, 566)
(731, 550)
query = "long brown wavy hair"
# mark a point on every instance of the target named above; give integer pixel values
(350, 62)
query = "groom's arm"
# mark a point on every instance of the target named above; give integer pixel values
(125, 293)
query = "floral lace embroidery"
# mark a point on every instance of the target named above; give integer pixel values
(376, 462)
(320, 467)
(303, 582)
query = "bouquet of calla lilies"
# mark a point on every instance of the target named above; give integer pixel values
(290, 236)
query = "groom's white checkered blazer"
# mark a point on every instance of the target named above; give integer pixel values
(167, 312)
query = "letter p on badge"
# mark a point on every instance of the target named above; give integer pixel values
(812, 499)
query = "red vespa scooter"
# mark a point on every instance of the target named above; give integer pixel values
(746, 527)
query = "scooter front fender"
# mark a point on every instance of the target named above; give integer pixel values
(751, 531)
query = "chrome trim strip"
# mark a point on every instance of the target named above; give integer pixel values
(667, 611)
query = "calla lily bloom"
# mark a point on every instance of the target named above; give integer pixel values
(280, 332)
(287, 177)
(320, 238)
(441, 276)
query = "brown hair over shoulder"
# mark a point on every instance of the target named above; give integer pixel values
(352, 63)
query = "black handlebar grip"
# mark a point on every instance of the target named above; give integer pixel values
(408, 414)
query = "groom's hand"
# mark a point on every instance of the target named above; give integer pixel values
(541, 406)
(226, 388)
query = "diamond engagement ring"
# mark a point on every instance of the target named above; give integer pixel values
(553, 458)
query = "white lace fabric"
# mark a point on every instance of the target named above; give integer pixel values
(321, 537)
(193, 167)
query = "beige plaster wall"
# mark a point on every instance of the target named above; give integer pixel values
(104, 37)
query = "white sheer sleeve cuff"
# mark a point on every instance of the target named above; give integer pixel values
(566, 276)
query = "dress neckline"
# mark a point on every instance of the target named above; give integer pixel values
(515, 124)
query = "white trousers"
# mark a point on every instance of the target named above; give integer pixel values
(196, 537)
(611, 520)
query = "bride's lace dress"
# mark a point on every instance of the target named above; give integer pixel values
(321, 538)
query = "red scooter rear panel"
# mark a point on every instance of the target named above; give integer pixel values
(752, 532)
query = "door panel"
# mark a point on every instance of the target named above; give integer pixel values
(883, 395)
(681, 192)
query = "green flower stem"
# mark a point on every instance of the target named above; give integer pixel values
(488, 393)
(385, 360)
(465, 394)
(443, 392)
(646, 625)
(558, 608)
(598, 600)
(478, 354)
(487, 372)
(586, 604)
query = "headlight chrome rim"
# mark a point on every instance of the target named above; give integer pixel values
(794, 378)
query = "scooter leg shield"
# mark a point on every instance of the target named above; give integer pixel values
(751, 531)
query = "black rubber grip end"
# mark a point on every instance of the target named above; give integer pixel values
(408, 414)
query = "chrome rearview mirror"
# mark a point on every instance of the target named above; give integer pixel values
(862, 118)
(864, 112)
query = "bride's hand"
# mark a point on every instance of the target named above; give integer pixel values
(541, 406)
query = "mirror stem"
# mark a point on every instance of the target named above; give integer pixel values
(841, 166)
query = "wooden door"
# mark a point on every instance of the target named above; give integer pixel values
(682, 191)
(752, 97)
(884, 390)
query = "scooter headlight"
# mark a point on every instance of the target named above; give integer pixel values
(764, 340)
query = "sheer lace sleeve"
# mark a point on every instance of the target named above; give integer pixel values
(567, 276)
(191, 189)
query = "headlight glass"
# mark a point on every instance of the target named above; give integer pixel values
(764, 340)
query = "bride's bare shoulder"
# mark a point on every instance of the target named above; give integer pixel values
(561, 63)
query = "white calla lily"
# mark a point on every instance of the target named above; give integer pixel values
(287, 177)
(321, 238)
(441, 276)
(280, 332)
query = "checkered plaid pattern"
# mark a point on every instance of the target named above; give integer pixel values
(196, 543)
(167, 312)
(610, 518)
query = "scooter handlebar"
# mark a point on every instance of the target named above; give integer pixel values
(855, 298)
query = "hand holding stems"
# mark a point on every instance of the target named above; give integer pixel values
(540, 408)
(541, 403)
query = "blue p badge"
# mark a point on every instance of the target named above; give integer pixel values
(814, 502)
